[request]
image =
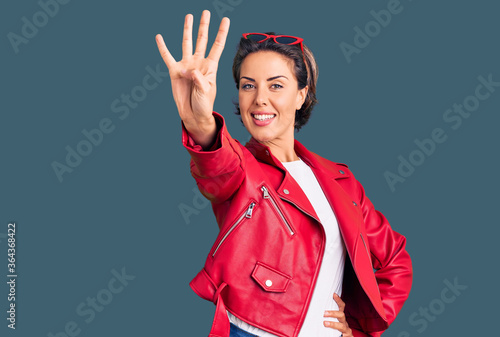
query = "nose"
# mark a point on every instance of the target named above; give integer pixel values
(261, 96)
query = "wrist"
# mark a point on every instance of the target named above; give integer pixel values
(204, 133)
(200, 125)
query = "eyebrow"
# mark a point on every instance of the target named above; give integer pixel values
(269, 79)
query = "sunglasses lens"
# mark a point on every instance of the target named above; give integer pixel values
(256, 37)
(286, 40)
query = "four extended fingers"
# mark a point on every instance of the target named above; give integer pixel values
(201, 42)
(220, 41)
(165, 54)
(187, 42)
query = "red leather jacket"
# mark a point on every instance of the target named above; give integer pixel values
(264, 263)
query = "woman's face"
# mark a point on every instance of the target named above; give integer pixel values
(268, 97)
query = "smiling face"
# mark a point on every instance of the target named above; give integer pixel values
(269, 97)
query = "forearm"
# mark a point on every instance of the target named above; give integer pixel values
(219, 168)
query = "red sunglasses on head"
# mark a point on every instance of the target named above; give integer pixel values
(280, 39)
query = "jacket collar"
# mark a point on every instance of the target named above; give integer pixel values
(263, 153)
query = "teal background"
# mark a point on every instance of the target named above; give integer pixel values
(120, 207)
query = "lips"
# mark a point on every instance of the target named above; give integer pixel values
(262, 116)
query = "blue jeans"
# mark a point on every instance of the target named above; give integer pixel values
(237, 332)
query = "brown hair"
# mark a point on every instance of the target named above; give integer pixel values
(305, 73)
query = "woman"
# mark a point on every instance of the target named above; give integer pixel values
(296, 230)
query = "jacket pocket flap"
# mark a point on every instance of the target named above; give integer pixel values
(270, 279)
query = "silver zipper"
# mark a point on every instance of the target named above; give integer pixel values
(268, 196)
(247, 214)
(303, 210)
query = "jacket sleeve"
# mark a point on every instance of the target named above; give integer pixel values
(218, 171)
(391, 261)
(358, 333)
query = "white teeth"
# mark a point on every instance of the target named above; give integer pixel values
(263, 117)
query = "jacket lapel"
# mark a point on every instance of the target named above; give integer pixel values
(295, 195)
(347, 213)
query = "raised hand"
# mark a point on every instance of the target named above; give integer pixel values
(194, 77)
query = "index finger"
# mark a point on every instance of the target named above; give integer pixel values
(339, 301)
(220, 41)
(165, 54)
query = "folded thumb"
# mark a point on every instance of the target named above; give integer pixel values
(200, 81)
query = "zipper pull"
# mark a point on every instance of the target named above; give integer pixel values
(249, 210)
(266, 193)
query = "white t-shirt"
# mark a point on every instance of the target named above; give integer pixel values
(332, 268)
